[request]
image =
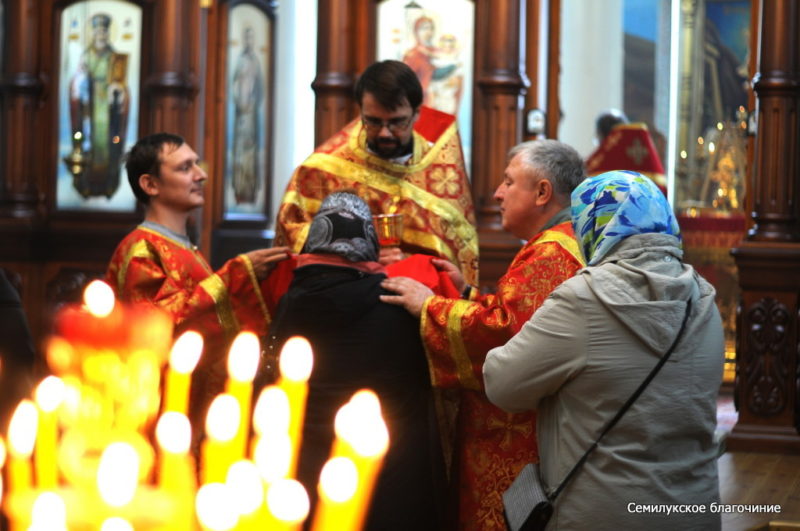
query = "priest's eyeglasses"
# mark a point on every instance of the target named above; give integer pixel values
(394, 125)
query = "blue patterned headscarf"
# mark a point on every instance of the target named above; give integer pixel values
(612, 206)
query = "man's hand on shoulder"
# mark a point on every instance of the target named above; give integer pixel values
(265, 259)
(452, 271)
(411, 294)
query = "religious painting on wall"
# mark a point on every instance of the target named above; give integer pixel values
(247, 112)
(98, 103)
(436, 39)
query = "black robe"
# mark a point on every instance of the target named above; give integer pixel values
(360, 342)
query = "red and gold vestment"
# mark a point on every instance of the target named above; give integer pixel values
(492, 446)
(431, 190)
(149, 266)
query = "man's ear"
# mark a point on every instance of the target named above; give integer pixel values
(149, 184)
(544, 191)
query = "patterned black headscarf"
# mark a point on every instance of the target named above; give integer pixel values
(343, 226)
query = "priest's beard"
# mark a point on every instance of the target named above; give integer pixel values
(390, 147)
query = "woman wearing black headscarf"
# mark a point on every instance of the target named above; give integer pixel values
(360, 342)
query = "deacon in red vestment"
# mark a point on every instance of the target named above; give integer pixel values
(400, 157)
(628, 147)
(157, 264)
(492, 446)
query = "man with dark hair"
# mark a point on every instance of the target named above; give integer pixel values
(402, 157)
(158, 264)
(492, 446)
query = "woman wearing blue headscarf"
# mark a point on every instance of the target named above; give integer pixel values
(593, 342)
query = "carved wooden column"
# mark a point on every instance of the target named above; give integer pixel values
(21, 86)
(336, 69)
(768, 340)
(171, 84)
(501, 85)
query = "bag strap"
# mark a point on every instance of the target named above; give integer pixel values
(627, 404)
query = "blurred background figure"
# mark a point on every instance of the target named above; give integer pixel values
(625, 146)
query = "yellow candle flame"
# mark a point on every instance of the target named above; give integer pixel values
(50, 393)
(2, 453)
(49, 512)
(59, 354)
(272, 455)
(339, 479)
(245, 483)
(174, 432)
(271, 414)
(213, 503)
(22, 429)
(359, 422)
(287, 500)
(186, 352)
(115, 523)
(243, 357)
(223, 418)
(296, 360)
(98, 298)
(117, 474)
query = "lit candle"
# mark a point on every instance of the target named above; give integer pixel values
(361, 434)
(116, 523)
(221, 425)
(337, 487)
(49, 395)
(174, 435)
(21, 439)
(296, 361)
(176, 470)
(118, 474)
(287, 505)
(182, 360)
(2, 464)
(213, 506)
(242, 365)
(49, 513)
(248, 494)
(272, 446)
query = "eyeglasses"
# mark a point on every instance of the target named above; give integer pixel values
(394, 125)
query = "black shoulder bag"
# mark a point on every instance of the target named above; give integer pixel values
(527, 506)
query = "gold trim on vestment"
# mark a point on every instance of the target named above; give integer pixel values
(140, 249)
(457, 348)
(248, 264)
(569, 243)
(397, 186)
(215, 287)
(180, 244)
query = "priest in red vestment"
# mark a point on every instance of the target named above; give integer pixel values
(400, 157)
(157, 263)
(492, 446)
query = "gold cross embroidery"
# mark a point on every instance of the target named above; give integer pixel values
(637, 152)
(508, 426)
